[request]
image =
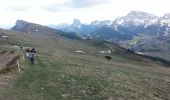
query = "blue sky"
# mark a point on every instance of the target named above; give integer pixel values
(47, 12)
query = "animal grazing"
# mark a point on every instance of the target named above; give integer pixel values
(109, 58)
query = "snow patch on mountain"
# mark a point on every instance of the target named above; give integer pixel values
(150, 22)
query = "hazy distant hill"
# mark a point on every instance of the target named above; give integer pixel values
(82, 30)
(32, 28)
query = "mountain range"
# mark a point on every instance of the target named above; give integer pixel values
(140, 32)
(134, 23)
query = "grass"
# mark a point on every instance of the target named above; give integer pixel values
(8, 69)
(3, 52)
(14, 60)
(61, 74)
(67, 80)
(12, 52)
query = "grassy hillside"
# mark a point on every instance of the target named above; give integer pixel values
(60, 73)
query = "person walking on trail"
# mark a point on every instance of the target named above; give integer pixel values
(32, 55)
(33, 50)
(21, 46)
(27, 52)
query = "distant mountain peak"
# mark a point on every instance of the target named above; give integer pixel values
(32, 28)
(20, 23)
(76, 21)
(139, 15)
(136, 13)
(166, 16)
(105, 22)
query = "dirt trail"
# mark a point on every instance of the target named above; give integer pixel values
(6, 77)
(4, 59)
(4, 82)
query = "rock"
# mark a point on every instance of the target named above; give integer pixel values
(80, 52)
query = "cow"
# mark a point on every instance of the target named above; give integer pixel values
(109, 58)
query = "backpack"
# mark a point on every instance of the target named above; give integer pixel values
(32, 55)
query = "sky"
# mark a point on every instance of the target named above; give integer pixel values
(53, 12)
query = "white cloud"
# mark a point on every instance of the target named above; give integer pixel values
(60, 11)
(86, 3)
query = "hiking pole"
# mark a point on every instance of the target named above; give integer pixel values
(18, 66)
(23, 56)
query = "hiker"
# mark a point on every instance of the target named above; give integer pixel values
(27, 51)
(21, 46)
(33, 50)
(32, 55)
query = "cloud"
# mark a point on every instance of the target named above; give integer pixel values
(68, 5)
(86, 3)
(15, 5)
(17, 8)
(54, 7)
(60, 11)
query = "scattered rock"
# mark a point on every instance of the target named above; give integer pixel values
(4, 36)
(42, 88)
(105, 52)
(15, 46)
(140, 53)
(64, 95)
(5, 83)
(36, 30)
(80, 52)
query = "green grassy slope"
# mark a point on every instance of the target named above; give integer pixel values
(62, 74)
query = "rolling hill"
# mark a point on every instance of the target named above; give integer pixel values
(62, 73)
(36, 29)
